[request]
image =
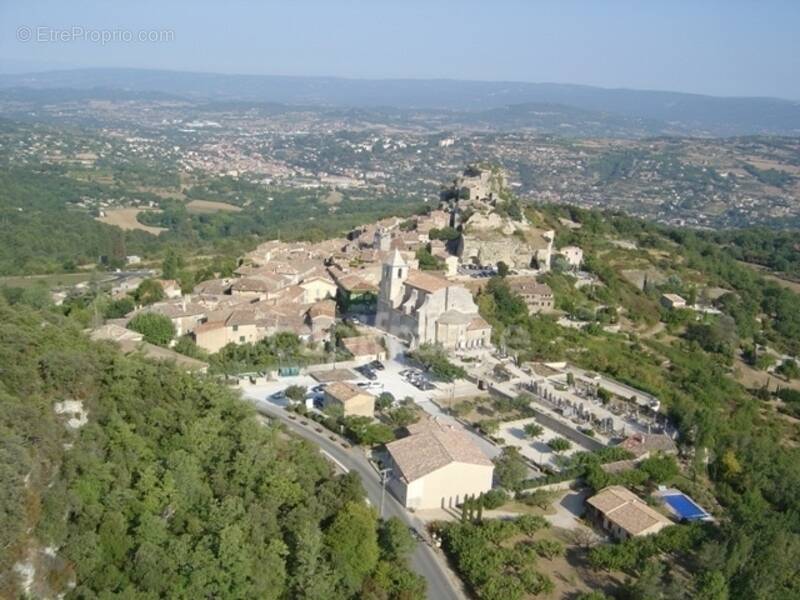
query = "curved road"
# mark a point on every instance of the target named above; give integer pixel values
(442, 584)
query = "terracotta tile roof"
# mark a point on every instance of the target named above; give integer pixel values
(426, 282)
(323, 308)
(115, 333)
(209, 326)
(528, 285)
(432, 447)
(477, 324)
(257, 284)
(355, 283)
(177, 309)
(241, 317)
(626, 510)
(362, 345)
(213, 286)
(642, 443)
(344, 391)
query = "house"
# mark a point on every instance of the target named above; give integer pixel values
(213, 287)
(126, 285)
(238, 327)
(115, 333)
(172, 289)
(364, 347)
(644, 445)
(185, 316)
(261, 287)
(318, 288)
(573, 255)
(423, 308)
(538, 297)
(437, 466)
(322, 317)
(353, 401)
(623, 514)
(355, 291)
(672, 301)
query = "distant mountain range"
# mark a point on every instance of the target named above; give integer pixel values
(496, 104)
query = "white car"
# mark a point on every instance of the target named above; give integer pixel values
(371, 385)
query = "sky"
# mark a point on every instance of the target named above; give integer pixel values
(725, 47)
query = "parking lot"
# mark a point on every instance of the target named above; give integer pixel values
(395, 379)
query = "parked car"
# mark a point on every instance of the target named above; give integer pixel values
(279, 395)
(378, 365)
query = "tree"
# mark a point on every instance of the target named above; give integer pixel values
(148, 292)
(395, 540)
(489, 426)
(117, 309)
(362, 430)
(789, 369)
(533, 430)
(510, 468)
(494, 498)
(659, 469)
(402, 416)
(559, 445)
(434, 358)
(502, 269)
(711, 585)
(296, 392)
(156, 329)
(384, 401)
(172, 265)
(352, 542)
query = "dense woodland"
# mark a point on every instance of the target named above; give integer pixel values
(173, 488)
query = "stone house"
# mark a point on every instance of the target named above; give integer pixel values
(423, 308)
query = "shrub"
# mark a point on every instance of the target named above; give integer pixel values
(494, 498)
(156, 329)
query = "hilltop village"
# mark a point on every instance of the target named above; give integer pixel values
(415, 277)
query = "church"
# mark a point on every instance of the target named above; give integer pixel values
(426, 309)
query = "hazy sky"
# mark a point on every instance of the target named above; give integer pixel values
(729, 47)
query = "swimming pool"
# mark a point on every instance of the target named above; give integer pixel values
(685, 507)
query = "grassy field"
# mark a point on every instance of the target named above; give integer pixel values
(209, 206)
(50, 281)
(125, 218)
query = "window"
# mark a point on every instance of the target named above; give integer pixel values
(235, 328)
(241, 339)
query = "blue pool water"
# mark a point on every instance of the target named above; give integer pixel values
(684, 507)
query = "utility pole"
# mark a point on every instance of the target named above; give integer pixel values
(384, 475)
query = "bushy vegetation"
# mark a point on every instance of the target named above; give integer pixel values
(434, 359)
(173, 488)
(493, 568)
(156, 329)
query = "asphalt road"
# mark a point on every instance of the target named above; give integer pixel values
(442, 584)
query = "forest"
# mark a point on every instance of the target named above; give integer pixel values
(129, 479)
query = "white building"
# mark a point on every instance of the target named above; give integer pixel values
(437, 466)
(573, 255)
